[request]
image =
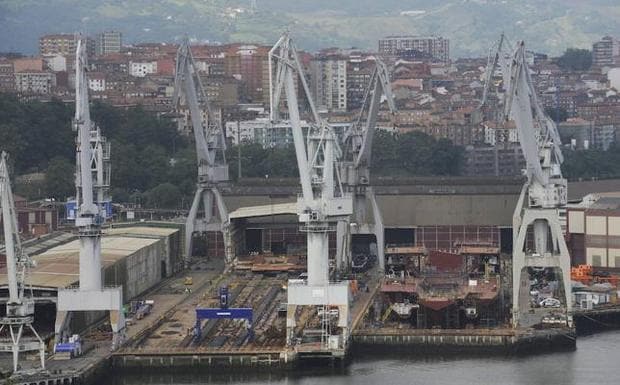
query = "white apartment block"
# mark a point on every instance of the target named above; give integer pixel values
(142, 68)
(329, 83)
(96, 83)
(496, 135)
(35, 82)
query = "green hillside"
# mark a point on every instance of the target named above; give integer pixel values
(548, 26)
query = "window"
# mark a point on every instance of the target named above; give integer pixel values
(596, 260)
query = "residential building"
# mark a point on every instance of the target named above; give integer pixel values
(329, 82)
(32, 82)
(96, 81)
(112, 63)
(603, 135)
(262, 131)
(57, 44)
(605, 50)
(501, 160)
(25, 64)
(613, 77)
(108, 42)
(7, 76)
(359, 71)
(496, 133)
(55, 63)
(184, 122)
(221, 90)
(437, 47)
(140, 69)
(249, 65)
(63, 44)
(244, 131)
(577, 132)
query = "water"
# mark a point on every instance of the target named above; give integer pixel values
(595, 361)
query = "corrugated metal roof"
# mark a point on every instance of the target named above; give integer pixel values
(606, 203)
(141, 230)
(59, 266)
(264, 210)
(577, 190)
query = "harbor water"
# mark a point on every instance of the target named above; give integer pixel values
(595, 361)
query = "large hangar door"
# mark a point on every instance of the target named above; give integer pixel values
(399, 236)
(254, 240)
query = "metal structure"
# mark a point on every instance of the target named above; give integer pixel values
(495, 59)
(19, 308)
(491, 108)
(355, 170)
(323, 200)
(223, 312)
(544, 193)
(210, 153)
(92, 182)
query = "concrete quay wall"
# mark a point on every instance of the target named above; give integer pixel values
(509, 341)
(188, 361)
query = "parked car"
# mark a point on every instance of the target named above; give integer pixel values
(550, 302)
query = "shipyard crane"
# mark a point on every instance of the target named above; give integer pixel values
(544, 192)
(497, 60)
(323, 200)
(210, 153)
(20, 305)
(355, 169)
(91, 181)
(493, 61)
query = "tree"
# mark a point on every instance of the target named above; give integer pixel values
(165, 195)
(415, 154)
(575, 59)
(558, 114)
(60, 179)
(120, 195)
(11, 140)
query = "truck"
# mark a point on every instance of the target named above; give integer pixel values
(68, 350)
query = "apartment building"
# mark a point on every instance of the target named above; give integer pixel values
(435, 46)
(328, 74)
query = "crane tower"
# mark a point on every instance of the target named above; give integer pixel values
(355, 170)
(91, 184)
(544, 192)
(210, 153)
(323, 200)
(19, 307)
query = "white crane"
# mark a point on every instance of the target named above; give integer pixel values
(323, 200)
(494, 59)
(544, 192)
(210, 152)
(20, 307)
(355, 169)
(498, 59)
(91, 182)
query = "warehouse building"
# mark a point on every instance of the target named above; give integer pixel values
(136, 257)
(594, 231)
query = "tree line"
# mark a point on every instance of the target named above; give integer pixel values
(153, 165)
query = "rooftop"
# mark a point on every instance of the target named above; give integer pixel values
(58, 267)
